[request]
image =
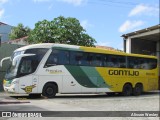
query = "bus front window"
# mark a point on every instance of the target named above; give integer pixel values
(29, 64)
(25, 65)
(12, 70)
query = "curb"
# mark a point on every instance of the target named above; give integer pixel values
(12, 102)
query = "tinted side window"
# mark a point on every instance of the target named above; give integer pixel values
(76, 58)
(115, 61)
(57, 57)
(97, 60)
(133, 62)
(122, 61)
(141, 63)
(86, 59)
(146, 63)
(63, 57)
(153, 63)
(53, 59)
(80, 58)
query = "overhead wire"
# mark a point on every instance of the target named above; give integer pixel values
(114, 3)
(119, 2)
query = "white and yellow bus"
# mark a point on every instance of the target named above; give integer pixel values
(49, 68)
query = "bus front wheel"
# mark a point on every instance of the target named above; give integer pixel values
(49, 90)
(138, 89)
(127, 90)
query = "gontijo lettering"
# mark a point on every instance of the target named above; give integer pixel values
(123, 72)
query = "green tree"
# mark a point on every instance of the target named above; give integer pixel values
(61, 30)
(19, 32)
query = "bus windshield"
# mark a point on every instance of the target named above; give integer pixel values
(27, 64)
(12, 70)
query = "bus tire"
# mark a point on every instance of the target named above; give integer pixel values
(127, 90)
(49, 90)
(138, 89)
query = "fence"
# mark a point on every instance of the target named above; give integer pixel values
(5, 51)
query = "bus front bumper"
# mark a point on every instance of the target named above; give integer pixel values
(9, 89)
(10, 86)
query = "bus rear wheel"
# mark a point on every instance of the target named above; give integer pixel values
(127, 90)
(138, 89)
(49, 90)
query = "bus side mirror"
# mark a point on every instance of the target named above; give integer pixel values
(6, 58)
(20, 56)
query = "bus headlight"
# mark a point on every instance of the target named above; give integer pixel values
(14, 82)
(4, 82)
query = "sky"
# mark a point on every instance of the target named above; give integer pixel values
(105, 20)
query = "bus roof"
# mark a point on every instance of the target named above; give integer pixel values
(105, 51)
(41, 45)
(81, 48)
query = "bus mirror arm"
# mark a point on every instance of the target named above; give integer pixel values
(20, 56)
(6, 58)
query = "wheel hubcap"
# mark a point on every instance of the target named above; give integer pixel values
(49, 91)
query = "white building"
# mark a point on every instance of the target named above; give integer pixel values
(145, 41)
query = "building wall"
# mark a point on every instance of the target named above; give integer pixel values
(5, 30)
(20, 41)
(145, 47)
(5, 51)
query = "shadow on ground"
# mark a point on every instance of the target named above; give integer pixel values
(102, 95)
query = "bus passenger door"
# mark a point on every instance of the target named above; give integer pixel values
(70, 85)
